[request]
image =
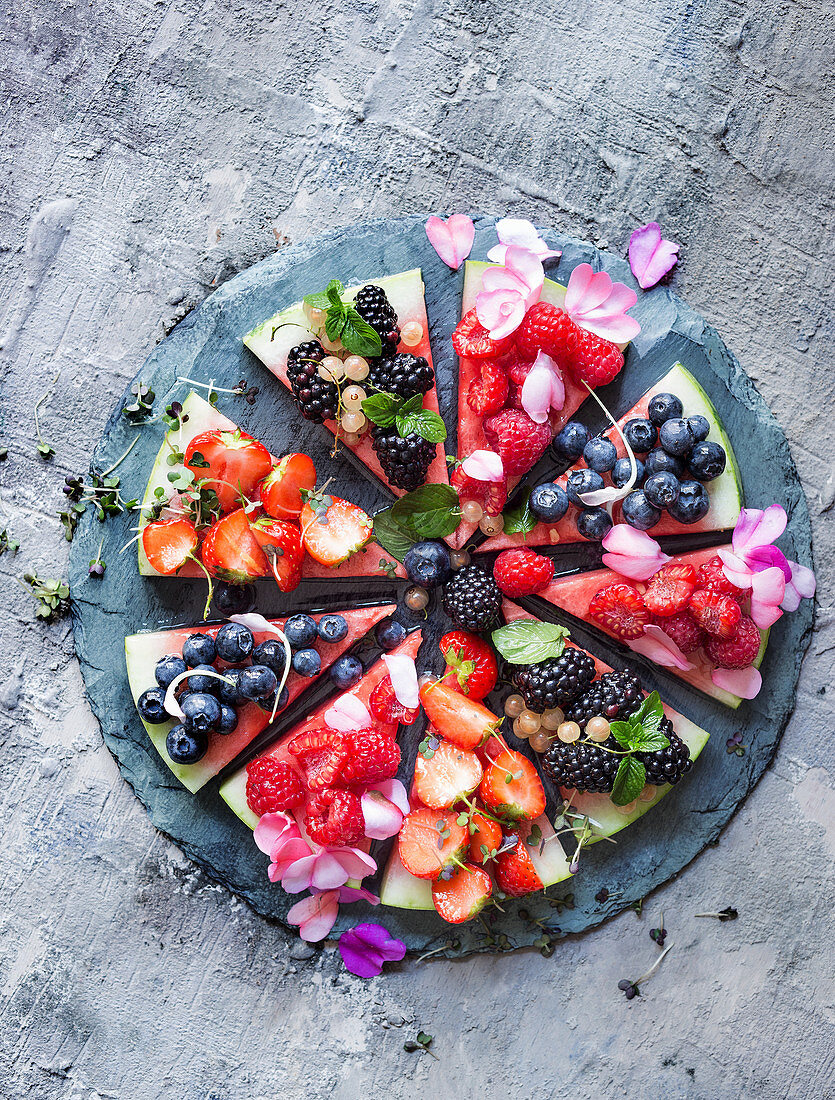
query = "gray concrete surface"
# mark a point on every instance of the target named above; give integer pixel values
(150, 150)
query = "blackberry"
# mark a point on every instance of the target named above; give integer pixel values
(583, 767)
(317, 398)
(557, 681)
(670, 764)
(405, 460)
(472, 599)
(374, 307)
(403, 374)
(614, 697)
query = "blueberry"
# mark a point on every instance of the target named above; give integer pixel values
(699, 426)
(184, 747)
(658, 461)
(622, 470)
(150, 706)
(571, 439)
(199, 649)
(663, 406)
(600, 454)
(333, 628)
(301, 631)
(307, 662)
(582, 481)
(201, 712)
(270, 653)
(234, 599)
(168, 669)
(706, 461)
(428, 564)
(662, 489)
(228, 693)
(594, 523)
(390, 634)
(675, 436)
(549, 502)
(692, 504)
(197, 683)
(346, 672)
(269, 704)
(228, 719)
(638, 512)
(234, 642)
(256, 682)
(641, 434)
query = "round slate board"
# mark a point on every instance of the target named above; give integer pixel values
(207, 345)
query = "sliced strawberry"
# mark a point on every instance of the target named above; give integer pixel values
(463, 895)
(386, 707)
(471, 664)
(515, 872)
(472, 340)
(491, 495)
(230, 462)
(169, 543)
(321, 754)
(230, 550)
(460, 720)
(430, 841)
(719, 615)
(281, 489)
(487, 392)
(333, 529)
(445, 775)
(487, 838)
(282, 545)
(621, 609)
(670, 589)
(512, 788)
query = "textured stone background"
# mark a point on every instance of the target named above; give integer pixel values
(152, 150)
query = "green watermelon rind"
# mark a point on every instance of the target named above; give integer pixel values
(233, 793)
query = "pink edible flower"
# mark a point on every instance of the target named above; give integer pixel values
(543, 389)
(509, 292)
(523, 234)
(632, 553)
(744, 682)
(452, 239)
(403, 675)
(801, 585)
(598, 305)
(659, 647)
(484, 466)
(324, 869)
(367, 947)
(383, 808)
(650, 256)
(316, 915)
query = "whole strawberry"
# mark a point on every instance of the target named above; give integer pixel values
(272, 786)
(522, 572)
(517, 439)
(470, 664)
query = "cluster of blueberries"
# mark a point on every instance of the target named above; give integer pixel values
(678, 460)
(251, 673)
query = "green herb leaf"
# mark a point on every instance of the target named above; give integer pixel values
(520, 520)
(427, 424)
(526, 642)
(652, 742)
(391, 536)
(622, 733)
(332, 296)
(430, 512)
(358, 336)
(629, 782)
(381, 409)
(335, 323)
(649, 714)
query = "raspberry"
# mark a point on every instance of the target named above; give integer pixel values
(373, 756)
(471, 339)
(334, 819)
(670, 589)
(547, 328)
(683, 629)
(738, 651)
(385, 707)
(491, 495)
(712, 575)
(517, 439)
(322, 754)
(596, 361)
(621, 609)
(487, 392)
(272, 786)
(522, 572)
(715, 613)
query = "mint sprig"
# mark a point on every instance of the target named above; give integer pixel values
(528, 641)
(641, 732)
(344, 323)
(430, 512)
(391, 536)
(390, 410)
(520, 520)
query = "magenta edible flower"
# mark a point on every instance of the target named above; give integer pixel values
(367, 947)
(650, 256)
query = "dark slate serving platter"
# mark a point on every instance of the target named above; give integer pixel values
(207, 345)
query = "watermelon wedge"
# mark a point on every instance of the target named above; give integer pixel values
(573, 594)
(725, 492)
(142, 651)
(605, 817)
(372, 561)
(272, 340)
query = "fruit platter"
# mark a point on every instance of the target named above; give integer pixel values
(465, 591)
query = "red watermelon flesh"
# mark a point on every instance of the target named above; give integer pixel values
(142, 652)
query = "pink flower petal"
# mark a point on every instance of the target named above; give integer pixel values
(536, 393)
(500, 312)
(365, 948)
(768, 586)
(349, 894)
(272, 828)
(452, 239)
(744, 682)
(348, 713)
(315, 915)
(520, 232)
(382, 818)
(598, 305)
(735, 568)
(650, 256)
(403, 678)
(358, 864)
(756, 527)
(395, 792)
(329, 871)
(527, 267)
(659, 647)
(579, 282)
(484, 466)
(764, 557)
(632, 553)
(298, 875)
(801, 586)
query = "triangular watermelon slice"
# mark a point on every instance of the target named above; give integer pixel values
(573, 594)
(142, 651)
(605, 817)
(372, 561)
(725, 492)
(273, 339)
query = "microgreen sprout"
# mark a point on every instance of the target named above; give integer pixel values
(728, 913)
(421, 1042)
(633, 988)
(142, 405)
(45, 450)
(97, 564)
(7, 543)
(659, 934)
(734, 744)
(52, 597)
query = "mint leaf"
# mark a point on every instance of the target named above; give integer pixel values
(649, 713)
(427, 424)
(391, 536)
(335, 323)
(629, 781)
(520, 520)
(381, 408)
(331, 296)
(358, 336)
(622, 733)
(527, 641)
(430, 512)
(653, 742)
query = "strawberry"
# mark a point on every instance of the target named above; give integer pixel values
(670, 589)
(716, 613)
(281, 489)
(522, 572)
(335, 818)
(230, 550)
(472, 341)
(471, 664)
(737, 651)
(282, 545)
(621, 609)
(445, 775)
(272, 786)
(595, 360)
(491, 495)
(169, 543)
(321, 754)
(460, 720)
(712, 575)
(463, 895)
(372, 756)
(488, 834)
(430, 841)
(517, 439)
(386, 707)
(230, 462)
(512, 788)
(547, 328)
(487, 393)
(515, 872)
(333, 529)
(683, 629)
